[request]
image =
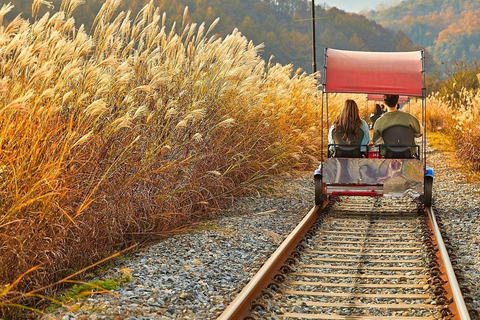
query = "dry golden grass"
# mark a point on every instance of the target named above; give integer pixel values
(459, 118)
(441, 142)
(114, 137)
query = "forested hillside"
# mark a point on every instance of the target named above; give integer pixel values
(283, 26)
(450, 29)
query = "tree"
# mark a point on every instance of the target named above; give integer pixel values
(248, 27)
(356, 43)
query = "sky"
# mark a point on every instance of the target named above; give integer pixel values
(357, 5)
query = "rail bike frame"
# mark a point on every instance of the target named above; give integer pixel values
(374, 74)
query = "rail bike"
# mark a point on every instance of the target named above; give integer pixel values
(397, 167)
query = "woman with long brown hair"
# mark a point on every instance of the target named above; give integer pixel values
(348, 128)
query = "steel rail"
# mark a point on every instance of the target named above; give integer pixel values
(239, 308)
(452, 279)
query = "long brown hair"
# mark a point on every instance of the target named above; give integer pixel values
(348, 122)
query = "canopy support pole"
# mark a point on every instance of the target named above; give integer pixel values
(314, 51)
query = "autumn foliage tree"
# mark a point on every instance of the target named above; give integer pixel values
(450, 30)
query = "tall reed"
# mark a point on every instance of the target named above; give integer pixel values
(114, 137)
(456, 117)
(466, 132)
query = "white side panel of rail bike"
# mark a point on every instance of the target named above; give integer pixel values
(397, 176)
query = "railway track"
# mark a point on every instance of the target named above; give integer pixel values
(359, 258)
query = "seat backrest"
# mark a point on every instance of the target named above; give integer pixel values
(398, 135)
(343, 149)
(398, 142)
(347, 151)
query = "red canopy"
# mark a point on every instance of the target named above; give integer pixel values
(379, 97)
(374, 72)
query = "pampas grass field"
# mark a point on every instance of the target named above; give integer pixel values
(462, 117)
(116, 137)
(135, 130)
(457, 118)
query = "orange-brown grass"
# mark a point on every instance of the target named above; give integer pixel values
(441, 142)
(439, 113)
(467, 130)
(114, 137)
(458, 118)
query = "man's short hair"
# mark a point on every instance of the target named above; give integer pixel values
(390, 100)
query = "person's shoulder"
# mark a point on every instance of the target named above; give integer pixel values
(386, 115)
(403, 114)
(411, 116)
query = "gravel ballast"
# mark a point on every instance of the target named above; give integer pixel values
(194, 275)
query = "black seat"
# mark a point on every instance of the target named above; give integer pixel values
(343, 149)
(399, 143)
